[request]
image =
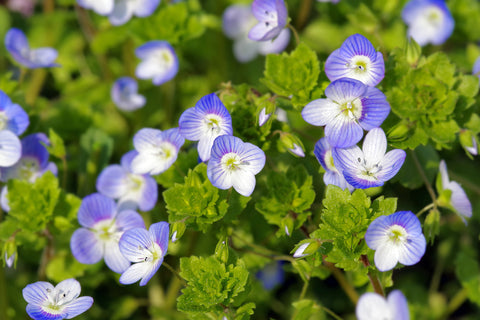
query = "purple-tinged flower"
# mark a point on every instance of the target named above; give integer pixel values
(9, 260)
(157, 150)
(205, 122)
(235, 163)
(25, 7)
(300, 252)
(130, 189)
(102, 227)
(10, 150)
(476, 68)
(428, 21)
(124, 94)
(297, 150)
(263, 117)
(61, 302)
(17, 45)
(12, 116)
(323, 153)
(146, 249)
(350, 107)
(458, 201)
(272, 18)
(372, 306)
(271, 275)
(159, 62)
(396, 238)
(369, 167)
(356, 59)
(332, 1)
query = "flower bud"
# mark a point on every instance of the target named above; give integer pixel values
(292, 144)
(178, 228)
(221, 250)
(469, 142)
(412, 52)
(306, 248)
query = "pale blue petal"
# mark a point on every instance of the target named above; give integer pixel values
(386, 256)
(217, 175)
(391, 164)
(443, 174)
(102, 7)
(236, 20)
(413, 250)
(276, 45)
(127, 159)
(243, 182)
(174, 137)
(146, 163)
(398, 305)
(212, 104)
(145, 8)
(135, 272)
(154, 66)
(94, 208)
(263, 117)
(124, 94)
(343, 132)
(37, 312)
(262, 32)
(70, 287)
(320, 112)
(205, 145)
(4, 200)
(253, 158)
(345, 90)
(150, 272)
(78, 306)
(149, 194)
(372, 306)
(43, 57)
(358, 45)
(10, 148)
(129, 219)
(114, 258)
(374, 146)
(262, 8)
(112, 182)
(460, 200)
(335, 66)
(407, 220)
(320, 150)
(190, 124)
(282, 13)
(375, 109)
(376, 234)
(32, 147)
(122, 12)
(86, 247)
(36, 293)
(17, 118)
(132, 243)
(245, 49)
(160, 232)
(145, 139)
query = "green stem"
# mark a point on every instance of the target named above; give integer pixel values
(304, 13)
(3, 294)
(268, 253)
(172, 293)
(47, 255)
(373, 276)
(175, 272)
(330, 312)
(424, 178)
(304, 290)
(455, 303)
(343, 282)
(38, 78)
(156, 296)
(295, 33)
(426, 208)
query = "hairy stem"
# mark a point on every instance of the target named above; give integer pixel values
(295, 33)
(426, 208)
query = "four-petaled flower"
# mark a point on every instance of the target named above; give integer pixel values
(12, 116)
(356, 59)
(350, 107)
(235, 163)
(396, 238)
(429, 21)
(61, 302)
(160, 63)
(157, 150)
(146, 250)
(102, 228)
(458, 199)
(369, 167)
(372, 306)
(205, 122)
(124, 94)
(17, 45)
(272, 18)
(132, 190)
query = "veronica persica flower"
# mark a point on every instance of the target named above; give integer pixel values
(235, 163)
(272, 18)
(356, 59)
(159, 62)
(323, 153)
(371, 166)
(102, 227)
(17, 45)
(205, 122)
(396, 238)
(12, 116)
(130, 189)
(271, 275)
(372, 306)
(350, 107)
(458, 199)
(146, 250)
(124, 94)
(157, 150)
(428, 21)
(46, 302)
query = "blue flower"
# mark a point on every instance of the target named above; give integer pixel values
(121, 11)
(429, 21)
(124, 94)
(17, 45)
(10, 150)
(146, 249)
(102, 227)
(369, 167)
(323, 153)
(46, 302)
(476, 68)
(372, 306)
(205, 122)
(350, 107)
(237, 21)
(458, 201)
(396, 238)
(356, 59)
(132, 190)
(157, 150)
(271, 275)
(235, 163)
(160, 63)
(272, 18)
(12, 116)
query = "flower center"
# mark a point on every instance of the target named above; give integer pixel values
(359, 65)
(271, 20)
(164, 58)
(329, 161)
(434, 16)
(397, 234)
(135, 182)
(150, 254)
(106, 230)
(231, 162)
(213, 123)
(369, 171)
(3, 121)
(56, 301)
(352, 109)
(164, 150)
(28, 169)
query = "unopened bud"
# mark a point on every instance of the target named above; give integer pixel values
(412, 52)
(469, 142)
(178, 228)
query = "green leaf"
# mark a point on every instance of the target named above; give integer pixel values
(307, 310)
(56, 147)
(467, 270)
(408, 175)
(63, 266)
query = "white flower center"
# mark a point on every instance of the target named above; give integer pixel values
(135, 182)
(434, 16)
(359, 65)
(397, 234)
(28, 169)
(57, 300)
(352, 109)
(213, 124)
(272, 19)
(3, 121)
(369, 171)
(328, 158)
(163, 59)
(165, 150)
(231, 162)
(106, 230)
(150, 254)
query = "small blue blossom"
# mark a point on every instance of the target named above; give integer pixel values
(369, 167)
(205, 122)
(235, 163)
(10, 150)
(130, 189)
(323, 153)
(17, 45)
(271, 275)
(272, 18)
(124, 94)
(46, 302)
(356, 59)
(159, 62)
(146, 250)
(396, 238)
(428, 21)
(157, 150)
(458, 200)
(12, 116)
(350, 107)
(476, 68)
(372, 306)
(102, 226)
